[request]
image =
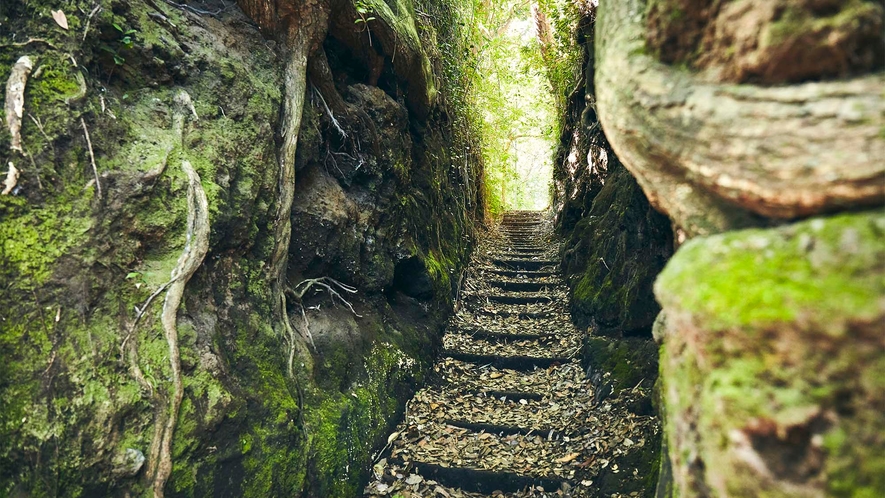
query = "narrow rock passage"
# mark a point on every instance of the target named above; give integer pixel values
(512, 411)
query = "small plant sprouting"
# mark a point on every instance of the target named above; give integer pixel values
(364, 9)
(126, 42)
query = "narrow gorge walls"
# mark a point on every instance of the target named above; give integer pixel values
(747, 137)
(290, 190)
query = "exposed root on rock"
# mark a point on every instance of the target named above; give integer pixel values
(298, 293)
(91, 158)
(295, 87)
(11, 179)
(195, 249)
(323, 81)
(327, 283)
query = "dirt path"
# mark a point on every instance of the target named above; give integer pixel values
(513, 413)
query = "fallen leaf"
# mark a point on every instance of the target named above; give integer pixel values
(414, 479)
(496, 375)
(568, 458)
(60, 18)
(391, 438)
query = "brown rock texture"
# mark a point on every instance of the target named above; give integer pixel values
(769, 42)
(716, 157)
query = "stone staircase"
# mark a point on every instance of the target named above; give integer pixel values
(512, 412)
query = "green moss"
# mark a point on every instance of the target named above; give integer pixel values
(344, 427)
(439, 267)
(751, 278)
(630, 361)
(33, 238)
(797, 21)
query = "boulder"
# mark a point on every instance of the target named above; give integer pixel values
(772, 360)
(717, 157)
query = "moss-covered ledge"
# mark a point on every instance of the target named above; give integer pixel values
(772, 360)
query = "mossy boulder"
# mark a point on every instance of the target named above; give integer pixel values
(772, 360)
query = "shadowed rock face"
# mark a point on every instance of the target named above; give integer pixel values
(615, 243)
(613, 255)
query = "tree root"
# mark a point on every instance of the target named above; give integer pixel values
(295, 88)
(323, 83)
(325, 282)
(195, 249)
(298, 293)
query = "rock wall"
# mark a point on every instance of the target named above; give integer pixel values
(615, 243)
(94, 225)
(773, 309)
(614, 246)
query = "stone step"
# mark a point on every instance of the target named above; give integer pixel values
(510, 395)
(522, 315)
(529, 456)
(521, 254)
(523, 264)
(526, 239)
(519, 363)
(549, 433)
(512, 215)
(492, 336)
(481, 481)
(483, 412)
(562, 381)
(517, 299)
(524, 273)
(538, 249)
(550, 346)
(521, 286)
(533, 226)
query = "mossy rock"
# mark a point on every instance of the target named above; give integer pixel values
(772, 360)
(629, 361)
(613, 255)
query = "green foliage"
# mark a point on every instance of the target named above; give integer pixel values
(562, 56)
(125, 42)
(516, 105)
(495, 78)
(364, 10)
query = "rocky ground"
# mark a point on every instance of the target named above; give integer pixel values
(511, 411)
